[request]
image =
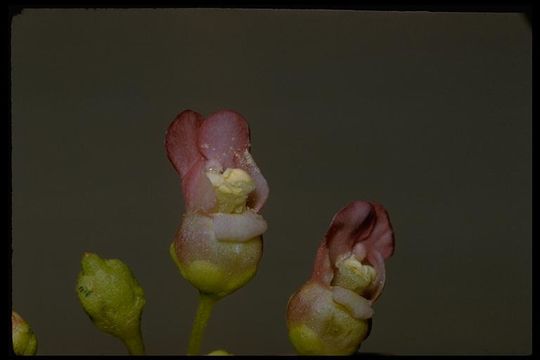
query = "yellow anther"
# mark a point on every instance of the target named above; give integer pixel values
(353, 275)
(232, 189)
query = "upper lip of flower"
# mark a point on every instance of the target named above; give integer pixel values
(360, 222)
(193, 143)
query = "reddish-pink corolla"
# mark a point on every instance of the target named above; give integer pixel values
(331, 313)
(219, 242)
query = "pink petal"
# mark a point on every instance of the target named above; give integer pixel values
(222, 135)
(197, 188)
(376, 259)
(348, 226)
(322, 270)
(194, 238)
(238, 227)
(258, 197)
(181, 141)
(382, 235)
(361, 228)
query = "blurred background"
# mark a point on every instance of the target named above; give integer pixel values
(427, 113)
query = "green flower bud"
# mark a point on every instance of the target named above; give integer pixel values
(112, 298)
(24, 339)
(219, 353)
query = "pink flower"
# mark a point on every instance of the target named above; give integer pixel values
(219, 242)
(331, 313)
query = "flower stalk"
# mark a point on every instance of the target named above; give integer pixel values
(204, 310)
(134, 343)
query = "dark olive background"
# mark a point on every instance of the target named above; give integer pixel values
(426, 113)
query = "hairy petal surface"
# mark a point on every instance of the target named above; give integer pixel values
(258, 197)
(197, 188)
(221, 141)
(181, 141)
(224, 134)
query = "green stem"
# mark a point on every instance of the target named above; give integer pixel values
(135, 343)
(206, 303)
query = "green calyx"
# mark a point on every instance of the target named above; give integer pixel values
(24, 339)
(112, 298)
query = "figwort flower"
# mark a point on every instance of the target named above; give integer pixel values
(219, 242)
(331, 313)
(24, 339)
